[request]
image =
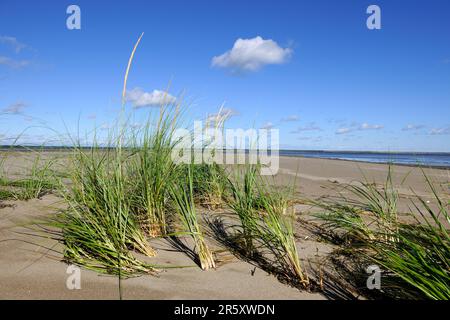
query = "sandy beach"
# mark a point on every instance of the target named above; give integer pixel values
(31, 266)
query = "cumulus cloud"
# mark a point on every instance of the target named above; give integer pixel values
(13, 63)
(140, 99)
(290, 118)
(252, 55)
(13, 43)
(15, 108)
(413, 127)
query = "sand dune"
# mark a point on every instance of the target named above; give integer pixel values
(31, 267)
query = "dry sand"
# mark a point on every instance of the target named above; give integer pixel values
(31, 267)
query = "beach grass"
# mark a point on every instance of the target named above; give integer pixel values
(34, 184)
(152, 170)
(98, 227)
(211, 189)
(244, 192)
(414, 255)
(182, 195)
(276, 230)
(267, 216)
(127, 190)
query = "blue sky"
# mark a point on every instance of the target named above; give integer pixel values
(309, 68)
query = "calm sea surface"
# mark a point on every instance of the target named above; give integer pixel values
(435, 159)
(426, 159)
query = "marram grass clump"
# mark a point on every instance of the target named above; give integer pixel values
(98, 227)
(183, 202)
(39, 181)
(267, 222)
(152, 170)
(243, 188)
(415, 256)
(276, 232)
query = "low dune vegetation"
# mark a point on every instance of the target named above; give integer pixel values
(121, 196)
(115, 209)
(412, 247)
(267, 216)
(123, 193)
(36, 180)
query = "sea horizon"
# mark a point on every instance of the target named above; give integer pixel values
(412, 158)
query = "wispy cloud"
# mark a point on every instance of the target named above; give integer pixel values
(354, 126)
(15, 108)
(440, 131)
(312, 139)
(268, 125)
(140, 99)
(366, 126)
(336, 121)
(413, 127)
(136, 125)
(344, 130)
(222, 115)
(309, 127)
(290, 118)
(105, 126)
(252, 55)
(13, 63)
(13, 43)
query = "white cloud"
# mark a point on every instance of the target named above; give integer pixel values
(366, 126)
(12, 63)
(15, 108)
(312, 139)
(136, 125)
(309, 127)
(252, 55)
(105, 126)
(141, 99)
(12, 42)
(412, 127)
(343, 130)
(440, 131)
(268, 125)
(290, 118)
(355, 126)
(222, 115)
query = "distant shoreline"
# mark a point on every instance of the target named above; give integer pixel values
(315, 154)
(59, 148)
(418, 165)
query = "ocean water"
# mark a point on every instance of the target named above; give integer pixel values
(409, 158)
(431, 159)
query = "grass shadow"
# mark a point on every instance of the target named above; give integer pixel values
(229, 236)
(179, 246)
